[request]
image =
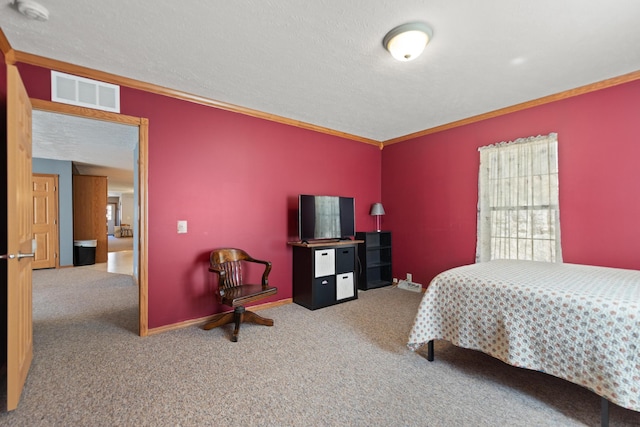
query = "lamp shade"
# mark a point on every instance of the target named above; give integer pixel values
(406, 42)
(377, 209)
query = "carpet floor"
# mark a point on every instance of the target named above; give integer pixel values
(345, 365)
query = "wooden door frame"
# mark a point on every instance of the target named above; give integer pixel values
(143, 155)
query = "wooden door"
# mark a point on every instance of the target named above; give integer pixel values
(45, 220)
(19, 237)
(90, 212)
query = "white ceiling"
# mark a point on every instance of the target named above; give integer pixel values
(322, 62)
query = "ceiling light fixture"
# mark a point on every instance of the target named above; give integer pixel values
(407, 41)
(32, 9)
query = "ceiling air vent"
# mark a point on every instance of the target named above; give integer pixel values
(74, 90)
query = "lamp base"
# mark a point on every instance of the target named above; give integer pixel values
(378, 228)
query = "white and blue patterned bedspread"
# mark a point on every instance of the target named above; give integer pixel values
(576, 322)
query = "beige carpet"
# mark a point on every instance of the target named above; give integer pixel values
(345, 365)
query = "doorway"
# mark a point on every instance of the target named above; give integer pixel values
(140, 190)
(112, 212)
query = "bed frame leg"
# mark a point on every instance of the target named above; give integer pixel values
(604, 412)
(430, 351)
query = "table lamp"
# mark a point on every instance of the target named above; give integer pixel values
(377, 210)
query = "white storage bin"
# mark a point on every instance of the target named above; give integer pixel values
(344, 286)
(325, 262)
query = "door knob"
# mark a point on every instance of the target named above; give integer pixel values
(19, 256)
(31, 255)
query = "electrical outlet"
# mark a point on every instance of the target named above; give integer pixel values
(409, 277)
(182, 226)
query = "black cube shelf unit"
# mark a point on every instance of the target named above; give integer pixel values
(375, 259)
(324, 273)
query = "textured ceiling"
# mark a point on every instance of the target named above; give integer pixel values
(322, 62)
(95, 147)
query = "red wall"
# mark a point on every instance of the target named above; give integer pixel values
(235, 179)
(430, 184)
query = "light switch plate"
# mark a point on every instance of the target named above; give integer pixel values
(182, 226)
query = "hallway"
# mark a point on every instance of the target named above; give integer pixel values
(118, 262)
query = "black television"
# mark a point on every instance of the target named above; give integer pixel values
(326, 217)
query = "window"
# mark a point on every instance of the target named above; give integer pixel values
(518, 209)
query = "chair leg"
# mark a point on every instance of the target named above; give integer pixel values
(219, 320)
(238, 316)
(251, 317)
(241, 315)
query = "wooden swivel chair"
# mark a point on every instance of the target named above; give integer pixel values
(227, 264)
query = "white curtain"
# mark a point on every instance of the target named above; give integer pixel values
(518, 209)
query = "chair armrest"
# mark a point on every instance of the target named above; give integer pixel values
(218, 271)
(267, 270)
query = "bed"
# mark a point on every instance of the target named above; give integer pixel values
(576, 322)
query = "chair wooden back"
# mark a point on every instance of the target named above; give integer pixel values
(227, 262)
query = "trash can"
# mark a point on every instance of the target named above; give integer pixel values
(84, 252)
